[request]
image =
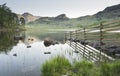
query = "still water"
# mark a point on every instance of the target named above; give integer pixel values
(25, 58)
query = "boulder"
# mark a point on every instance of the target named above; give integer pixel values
(15, 54)
(18, 37)
(48, 42)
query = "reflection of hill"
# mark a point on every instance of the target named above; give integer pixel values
(7, 41)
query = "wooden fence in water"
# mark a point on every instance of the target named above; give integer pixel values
(97, 43)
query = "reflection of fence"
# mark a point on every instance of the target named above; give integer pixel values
(100, 42)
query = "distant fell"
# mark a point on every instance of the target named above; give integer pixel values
(111, 12)
(51, 20)
(62, 17)
(28, 17)
(108, 14)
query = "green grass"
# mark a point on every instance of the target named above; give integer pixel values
(83, 68)
(110, 69)
(59, 66)
(46, 28)
(55, 67)
(115, 69)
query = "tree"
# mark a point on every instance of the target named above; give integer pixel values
(22, 21)
(7, 17)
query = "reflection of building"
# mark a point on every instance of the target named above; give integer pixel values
(20, 36)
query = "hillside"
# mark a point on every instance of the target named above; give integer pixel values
(28, 17)
(51, 20)
(108, 14)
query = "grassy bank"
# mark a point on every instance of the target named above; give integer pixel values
(44, 28)
(60, 66)
(47, 31)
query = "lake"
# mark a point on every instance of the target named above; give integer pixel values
(24, 57)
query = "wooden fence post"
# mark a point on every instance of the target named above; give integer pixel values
(70, 37)
(76, 40)
(101, 38)
(65, 38)
(84, 41)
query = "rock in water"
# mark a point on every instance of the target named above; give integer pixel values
(18, 38)
(28, 46)
(15, 54)
(47, 52)
(48, 42)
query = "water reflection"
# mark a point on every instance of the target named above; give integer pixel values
(7, 41)
(59, 36)
(27, 61)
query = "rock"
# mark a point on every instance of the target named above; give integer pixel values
(75, 40)
(32, 40)
(28, 46)
(47, 52)
(62, 17)
(112, 50)
(76, 51)
(48, 42)
(118, 55)
(18, 38)
(113, 47)
(83, 42)
(15, 54)
(117, 50)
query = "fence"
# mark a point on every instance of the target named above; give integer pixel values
(96, 43)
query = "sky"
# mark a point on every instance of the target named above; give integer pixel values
(52, 8)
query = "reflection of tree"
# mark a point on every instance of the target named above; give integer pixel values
(7, 41)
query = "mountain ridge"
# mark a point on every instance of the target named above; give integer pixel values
(109, 13)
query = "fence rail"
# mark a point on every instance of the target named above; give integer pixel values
(97, 43)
